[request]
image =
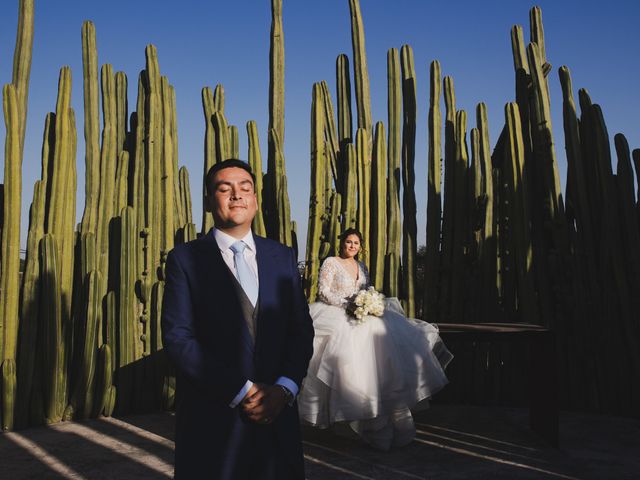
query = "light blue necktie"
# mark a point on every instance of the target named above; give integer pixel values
(245, 276)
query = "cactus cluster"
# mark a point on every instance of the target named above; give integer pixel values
(80, 324)
(355, 182)
(273, 217)
(14, 107)
(87, 292)
(502, 243)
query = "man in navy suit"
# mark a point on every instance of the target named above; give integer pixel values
(236, 325)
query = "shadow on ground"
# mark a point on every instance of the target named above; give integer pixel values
(452, 442)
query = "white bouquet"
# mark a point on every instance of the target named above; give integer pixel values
(366, 302)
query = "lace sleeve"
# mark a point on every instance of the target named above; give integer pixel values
(326, 278)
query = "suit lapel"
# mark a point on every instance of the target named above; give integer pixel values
(223, 279)
(267, 268)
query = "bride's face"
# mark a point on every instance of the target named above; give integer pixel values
(351, 246)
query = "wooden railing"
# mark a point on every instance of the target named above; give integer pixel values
(505, 364)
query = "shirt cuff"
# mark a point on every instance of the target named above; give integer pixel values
(241, 394)
(288, 384)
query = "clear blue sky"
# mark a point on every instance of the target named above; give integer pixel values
(202, 43)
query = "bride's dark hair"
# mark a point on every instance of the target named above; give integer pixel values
(351, 231)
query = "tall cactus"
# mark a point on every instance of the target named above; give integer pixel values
(361, 73)
(91, 126)
(363, 160)
(279, 212)
(121, 197)
(449, 197)
(52, 343)
(434, 200)
(394, 105)
(108, 164)
(122, 111)
(316, 196)
(278, 221)
(350, 198)
(61, 207)
(234, 142)
(222, 140)
(10, 255)
(185, 195)
(167, 183)
(154, 159)
(487, 255)
(331, 134)
(378, 231)
(92, 317)
(29, 311)
(519, 213)
(128, 346)
(255, 162)
(630, 228)
(22, 63)
(345, 127)
(409, 238)
(460, 219)
(208, 107)
(276, 70)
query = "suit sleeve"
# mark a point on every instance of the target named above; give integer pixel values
(299, 330)
(187, 353)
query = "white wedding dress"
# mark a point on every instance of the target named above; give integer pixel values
(370, 374)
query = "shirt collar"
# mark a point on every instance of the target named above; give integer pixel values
(224, 240)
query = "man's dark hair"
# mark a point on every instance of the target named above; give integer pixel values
(230, 163)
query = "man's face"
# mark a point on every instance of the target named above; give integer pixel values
(233, 202)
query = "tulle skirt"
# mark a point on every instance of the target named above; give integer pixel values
(371, 374)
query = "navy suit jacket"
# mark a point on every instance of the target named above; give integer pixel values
(206, 337)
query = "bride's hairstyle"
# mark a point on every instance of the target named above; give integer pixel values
(351, 231)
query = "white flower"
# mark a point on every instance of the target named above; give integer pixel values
(366, 302)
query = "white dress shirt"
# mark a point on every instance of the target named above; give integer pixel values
(224, 242)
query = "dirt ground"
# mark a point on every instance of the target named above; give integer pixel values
(453, 442)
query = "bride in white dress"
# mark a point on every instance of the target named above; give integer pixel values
(368, 375)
